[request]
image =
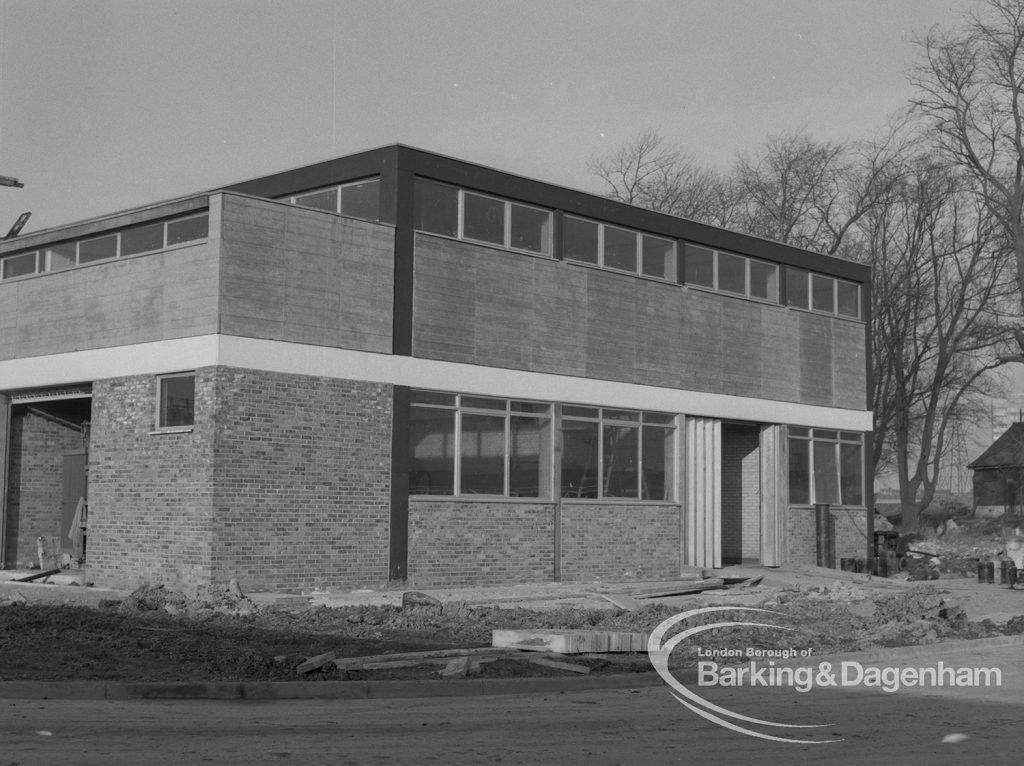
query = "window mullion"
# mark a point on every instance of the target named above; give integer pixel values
(457, 452)
(508, 453)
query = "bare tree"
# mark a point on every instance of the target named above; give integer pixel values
(648, 172)
(940, 293)
(971, 83)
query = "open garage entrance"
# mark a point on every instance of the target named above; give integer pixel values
(45, 509)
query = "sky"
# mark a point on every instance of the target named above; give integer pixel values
(111, 104)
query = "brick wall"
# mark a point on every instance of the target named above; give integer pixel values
(741, 494)
(302, 476)
(620, 542)
(467, 543)
(150, 494)
(35, 479)
(849, 528)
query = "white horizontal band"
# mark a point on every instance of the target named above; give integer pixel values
(321, 361)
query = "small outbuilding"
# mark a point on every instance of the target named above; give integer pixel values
(999, 475)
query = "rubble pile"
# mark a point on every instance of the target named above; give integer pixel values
(206, 599)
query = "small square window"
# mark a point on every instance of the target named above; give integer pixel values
(797, 293)
(61, 256)
(320, 200)
(619, 249)
(659, 257)
(18, 265)
(97, 249)
(732, 273)
(436, 208)
(361, 200)
(764, 280)
(823, 293)
(530, 229)
(849, 298)
(187, 229)
(177, 397)
(483, 219)
(579, 240)
(142, 239)
(699, 266)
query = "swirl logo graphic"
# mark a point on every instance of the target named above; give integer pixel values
(659, 650)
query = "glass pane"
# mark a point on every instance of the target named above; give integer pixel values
(142, 239)
(437, 208)
(483, 219)
(579, 240)
(187, 229)
(534, 407)
(851, 474)
(657, 463)
(61, 257)
(732, 273)
(177, 401)
(822, 293)
(361, 200)
(799, 473)
(526, 454)
(580, 412)
(662, 418)
(483, 455)
(820, 433)
(97, 249)
(481, 403)
(764, 280)
(18, 265)
(621, 477)
(432, 397)
(796, 288)
(579, 459)
(531, 229)
(627, 415)
(321, 200)
(431, 451)
(826, 473)
(799, 431)
(619, 249)
(849, 298)
(699, 266)
(659, 257)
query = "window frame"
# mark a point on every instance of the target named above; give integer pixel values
(808, 289)
(547, 235)
(640, 237)
(162, 410)
(815, 437)
(338, 189)
(716, 282)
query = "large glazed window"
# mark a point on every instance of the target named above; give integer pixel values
(730, 273)
(825, 466)
(609, 454)
(822, 293)
(468, 446)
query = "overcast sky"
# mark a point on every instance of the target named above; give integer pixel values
(109, 104)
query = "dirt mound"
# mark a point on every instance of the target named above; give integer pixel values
(223, 599)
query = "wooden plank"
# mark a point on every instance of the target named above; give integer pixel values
(315, 663)
(38, 575)
(712, 583)
(570, 641)
(572, 667)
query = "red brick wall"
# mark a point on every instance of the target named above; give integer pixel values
(468, 543)
(150, 494)
(849, 528)
(620, 542)
(35, 479)
(302, 474)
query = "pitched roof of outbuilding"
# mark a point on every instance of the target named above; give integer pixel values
(1006, 451)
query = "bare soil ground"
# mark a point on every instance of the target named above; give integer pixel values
(160, 635)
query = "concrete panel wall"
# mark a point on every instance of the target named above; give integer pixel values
(305, 276)
(170, 294)
(302, 481)
(486, 306)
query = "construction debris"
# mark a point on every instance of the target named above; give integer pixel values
(682, 589)
(570, 641)
(38, 575)
(315, 663)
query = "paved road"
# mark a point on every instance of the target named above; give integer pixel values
(596, 727)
